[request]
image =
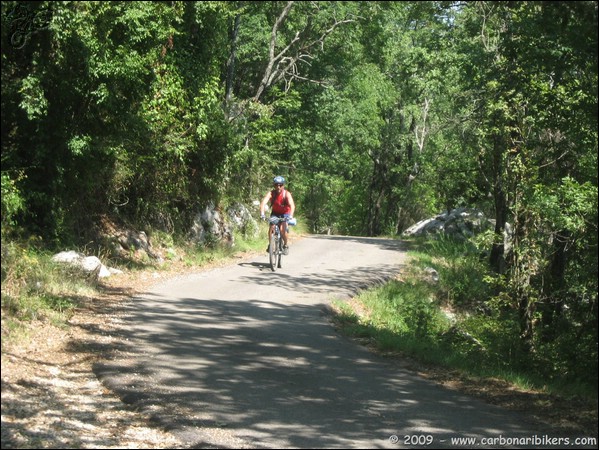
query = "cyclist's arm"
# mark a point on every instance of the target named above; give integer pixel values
(291, 204)
(264, 201)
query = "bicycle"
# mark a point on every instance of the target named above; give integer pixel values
(275, 243)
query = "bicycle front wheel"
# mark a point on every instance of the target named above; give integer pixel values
(273, 251)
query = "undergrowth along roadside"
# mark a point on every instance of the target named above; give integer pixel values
(37, 290)
(442, 311)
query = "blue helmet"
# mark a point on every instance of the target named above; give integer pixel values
(278, 180)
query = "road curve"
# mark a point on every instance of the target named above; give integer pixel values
(243, 357)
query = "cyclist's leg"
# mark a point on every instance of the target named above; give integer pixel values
(270, 232)
(283, 228)
(273, 250)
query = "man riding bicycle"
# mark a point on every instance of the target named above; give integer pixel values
(282, 205)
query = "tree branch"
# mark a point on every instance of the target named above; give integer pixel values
(284, 65)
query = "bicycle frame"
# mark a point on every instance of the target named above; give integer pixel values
(275, 248)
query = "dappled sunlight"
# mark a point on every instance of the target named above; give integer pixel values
(256, 354)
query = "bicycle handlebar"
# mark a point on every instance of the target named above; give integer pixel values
(276, 220)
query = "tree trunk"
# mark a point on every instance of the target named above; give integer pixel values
(553, 306)
(231, 62)
(497, 257)
(526, 313)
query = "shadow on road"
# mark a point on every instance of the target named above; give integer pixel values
(258, 265)
(278, 376)
(234, 355)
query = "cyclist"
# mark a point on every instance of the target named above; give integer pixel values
(282, 205)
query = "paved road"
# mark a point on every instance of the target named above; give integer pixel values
(241, 357)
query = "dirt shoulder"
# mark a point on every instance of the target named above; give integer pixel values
(52, 399)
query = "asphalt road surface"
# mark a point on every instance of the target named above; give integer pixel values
(243, 357)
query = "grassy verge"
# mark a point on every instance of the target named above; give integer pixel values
(35, 289)
(442, 312)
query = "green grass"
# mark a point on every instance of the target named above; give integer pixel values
(34, 288)
(454, 323)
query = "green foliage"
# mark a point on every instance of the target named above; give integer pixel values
(12, 200)
(400, 317)
(379, 114)
(495, 344)
(472, 332)
(569, 206)
(34, 288)
(462, 274)
(34, 101)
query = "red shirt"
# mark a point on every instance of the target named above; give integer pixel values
(279, 202)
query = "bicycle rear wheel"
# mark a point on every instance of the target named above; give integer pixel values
(273, 250)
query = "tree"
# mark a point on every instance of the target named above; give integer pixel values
(274, 46)
(536, 80)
